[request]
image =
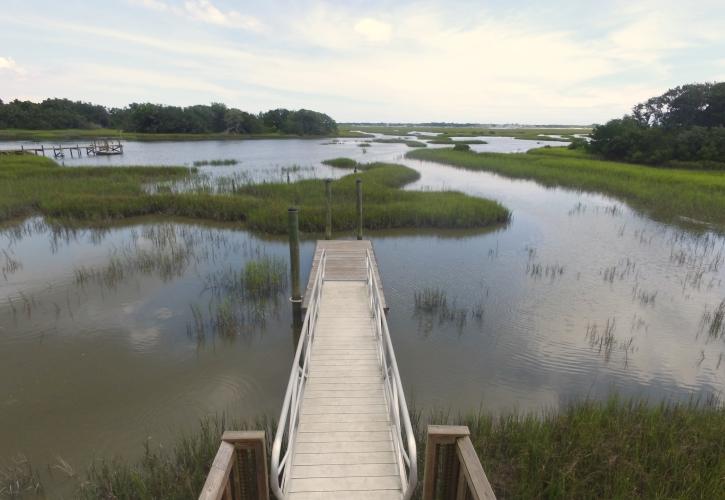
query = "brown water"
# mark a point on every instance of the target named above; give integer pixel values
(100, 347)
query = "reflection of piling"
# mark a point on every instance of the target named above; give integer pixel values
(358, 186)
(294, 257)
(328, 203)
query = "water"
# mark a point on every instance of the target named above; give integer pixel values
(577, 297)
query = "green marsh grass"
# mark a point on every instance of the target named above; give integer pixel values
(385, 205)
(408, 142)
(31, 185)
(215, 163)
(445, 139)
(430, 299)
(590, 450)
(666, 194)
(341, 162)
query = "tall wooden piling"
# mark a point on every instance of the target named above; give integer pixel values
(358, 188)
(328, 203)
(294, 252)
(294, 258)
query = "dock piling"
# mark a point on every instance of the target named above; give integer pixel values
(328, 203)
(358, 188)
(294, 257)
(294, 252)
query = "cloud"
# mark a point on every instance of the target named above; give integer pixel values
(9, 64)
(204, 11)
(373, 30)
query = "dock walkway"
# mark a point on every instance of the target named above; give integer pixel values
(345, 440)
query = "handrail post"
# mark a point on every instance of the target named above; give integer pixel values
(465, 475)
(240, 454)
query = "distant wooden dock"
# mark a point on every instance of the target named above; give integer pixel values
(101, 147)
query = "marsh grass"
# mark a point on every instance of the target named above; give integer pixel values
(615, 448)
(713, 322)
(432, 303)
(341, 162)
(11, 264)
(430, 300)
(665, 194)
(408, 142)
(32, 185)
(240, 299)
(385, 205)
(18, 479)
(215, 163)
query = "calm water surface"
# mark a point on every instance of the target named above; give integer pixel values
(109, 338)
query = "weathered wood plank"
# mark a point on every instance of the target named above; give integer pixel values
(347, 495)
(345, 470)
(346, 484)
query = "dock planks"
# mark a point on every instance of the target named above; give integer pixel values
(345, 261)
(344, 446)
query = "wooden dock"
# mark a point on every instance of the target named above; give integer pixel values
(344, 443)
(345, 261)
(348, 428)
(104, 147)
(344, 431)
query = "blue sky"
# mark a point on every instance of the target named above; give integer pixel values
(504, 62)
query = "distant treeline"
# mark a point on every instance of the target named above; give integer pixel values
(152, 118)
(684, 127)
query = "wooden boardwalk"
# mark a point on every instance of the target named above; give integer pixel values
(344, 446)
(345, 261)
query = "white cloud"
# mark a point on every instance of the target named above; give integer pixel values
(8, 64)
(204, 11)
(157, 5)
(373, 30)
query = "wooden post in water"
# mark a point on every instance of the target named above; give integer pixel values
(358, 188)
(328, 202)
(294, 258)
(294, 252)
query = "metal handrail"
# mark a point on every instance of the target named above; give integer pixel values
(397, 407)
(287, 426)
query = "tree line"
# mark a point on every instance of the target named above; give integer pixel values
(156, 118)
(684, 127)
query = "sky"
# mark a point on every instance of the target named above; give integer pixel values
(554, 62)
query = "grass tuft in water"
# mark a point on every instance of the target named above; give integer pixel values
(215, 163)
(18, 479)
(430, 300)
